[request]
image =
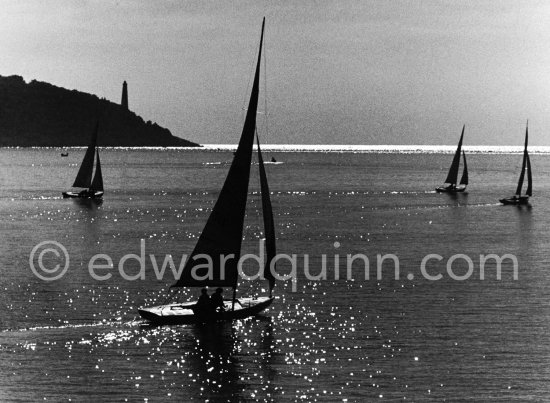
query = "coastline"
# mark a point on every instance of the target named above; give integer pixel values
(323, 148)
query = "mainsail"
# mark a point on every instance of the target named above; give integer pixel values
(523, 164)
(213, 262)
(452, 176)
(464, 179)
(269, 226)
(84, 176)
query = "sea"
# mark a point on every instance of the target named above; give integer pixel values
(388, 291)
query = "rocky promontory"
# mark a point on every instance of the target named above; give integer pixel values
(39, 114)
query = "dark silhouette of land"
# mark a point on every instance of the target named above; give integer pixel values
(39, 114)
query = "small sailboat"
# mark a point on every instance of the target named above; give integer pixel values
(518, 199)
(92, 184)
(450, 183)
(222, 236)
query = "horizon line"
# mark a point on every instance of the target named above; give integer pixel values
(336, 148)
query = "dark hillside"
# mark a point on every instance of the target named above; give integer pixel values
(41, 114)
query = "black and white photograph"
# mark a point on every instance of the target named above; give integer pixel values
(274, 201)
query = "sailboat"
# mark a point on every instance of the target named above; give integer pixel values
(222, 236)
(93, 185)
(450, 183)
(518, 199)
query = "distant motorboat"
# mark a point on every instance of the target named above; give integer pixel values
(273, 161)
(518, 199)
(64, 154)
(93, 186)
(450, 183)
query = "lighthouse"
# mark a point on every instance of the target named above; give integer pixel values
(124, 101)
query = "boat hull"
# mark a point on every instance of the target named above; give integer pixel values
(516, 201)
(182, 313)
(447, 189)
(80, 195)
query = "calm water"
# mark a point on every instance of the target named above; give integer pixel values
(81, 339)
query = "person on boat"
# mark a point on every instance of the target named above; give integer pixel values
(204, 299)
(217, 300)
(203, 304)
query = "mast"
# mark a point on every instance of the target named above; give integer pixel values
(452, 176)
(269, 226)
(84, 176)
(524, 163)
(213, 262)
(464, 179)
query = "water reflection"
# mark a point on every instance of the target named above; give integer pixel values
(524, 216)
(268, 349)
(88, 214)
(214, 361)
(228, 361)
(88, 204)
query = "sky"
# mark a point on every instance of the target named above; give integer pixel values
(335, 72)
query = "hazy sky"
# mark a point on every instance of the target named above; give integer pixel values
(338, 72)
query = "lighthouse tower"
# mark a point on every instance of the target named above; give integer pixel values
(124, 101)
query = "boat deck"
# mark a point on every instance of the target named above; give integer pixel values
(182, 312)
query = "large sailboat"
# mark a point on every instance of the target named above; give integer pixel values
(518, 199)
(222, 235)
(450, 183)
(86, 178)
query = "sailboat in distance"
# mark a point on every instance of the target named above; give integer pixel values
(214, 261)
(518, 199)
(92, 184)
(450, 183)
